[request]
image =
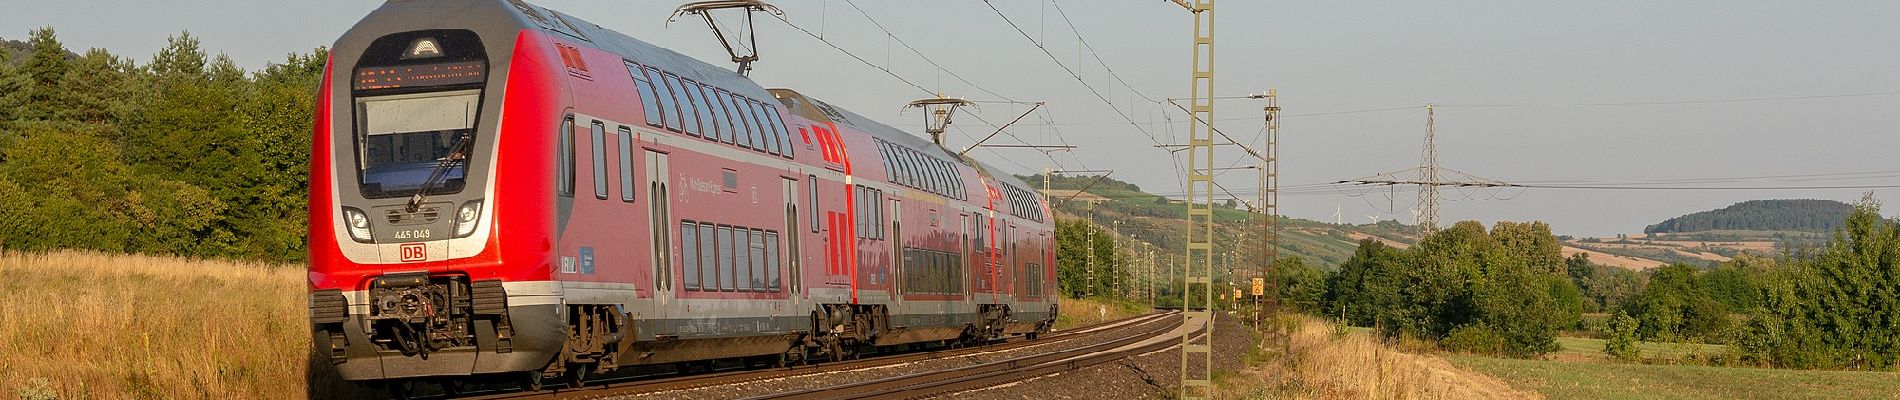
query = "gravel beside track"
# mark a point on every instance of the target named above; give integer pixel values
(1151, 376)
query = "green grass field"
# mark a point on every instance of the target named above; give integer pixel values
(1586, 348)
(1608, 380)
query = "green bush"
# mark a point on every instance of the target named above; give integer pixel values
(1622, 341)
(1474, 338)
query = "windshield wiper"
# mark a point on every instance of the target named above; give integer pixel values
(458, 155)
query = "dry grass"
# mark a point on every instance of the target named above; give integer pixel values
(1323, 362)
(1084, 312)
(91, 325)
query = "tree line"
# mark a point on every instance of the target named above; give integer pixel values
(182, 154)
(1508, 291)
(1761, 215)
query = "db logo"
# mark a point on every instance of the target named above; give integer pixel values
(414, 252)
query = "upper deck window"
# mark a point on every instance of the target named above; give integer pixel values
(650, 101)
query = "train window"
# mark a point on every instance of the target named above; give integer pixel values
(729, 116)
(717, 110)
(670, 103)
(773, 141)
(742, 259)
(564, 166)
(813, 205)
(884, 153)
(905, 166)
(626, 163)
(896, 164)
(741, 120)
(701, 109)
(649, 100)
(599, 134)
(956, 182)
(773, 263)
(728, 246)
(708, 257)
(759, 278)
(857, 207)
(943, 175)
(688, 121)
(762, 135)
(758, 135)
(689, 253)
(934, 178)
(877, 204)
(778, 124)
(937, 184)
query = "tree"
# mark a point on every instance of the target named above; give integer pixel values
(1072, 259)
(1623, 337)
(1499, 292)
(1365, 291)
(1677, 306)
(1835, 307)
(1302, 287)
(40, 94)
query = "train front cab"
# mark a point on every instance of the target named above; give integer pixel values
(407, 268)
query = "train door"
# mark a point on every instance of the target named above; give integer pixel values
(788, 189)
(964, 256)
(900, 271)
(660, 212)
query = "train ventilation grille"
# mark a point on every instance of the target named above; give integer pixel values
(425, 215)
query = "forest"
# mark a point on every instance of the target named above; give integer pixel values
(1761, 215)
(183, 153)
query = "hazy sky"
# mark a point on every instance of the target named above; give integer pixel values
(1323, 57)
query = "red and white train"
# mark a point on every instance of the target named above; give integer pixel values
(501, 189)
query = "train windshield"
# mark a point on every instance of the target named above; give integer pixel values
(417, 98)
(406, 138)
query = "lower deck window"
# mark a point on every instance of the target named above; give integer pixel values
(730, 258)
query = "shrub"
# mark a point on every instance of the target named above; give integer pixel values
(1474, 338)
(1622, 341)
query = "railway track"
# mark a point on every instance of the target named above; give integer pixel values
(645, 384)
(991, 374)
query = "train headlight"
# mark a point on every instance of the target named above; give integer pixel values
(358, 224)
(465, 218)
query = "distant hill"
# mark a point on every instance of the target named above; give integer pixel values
(1761, 215)
(1159, 221)
(16, 50)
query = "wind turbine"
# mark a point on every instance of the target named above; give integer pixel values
(1374, 218)
(1336, 220)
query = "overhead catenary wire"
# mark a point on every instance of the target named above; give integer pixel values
(1078, 78)
(907, 81)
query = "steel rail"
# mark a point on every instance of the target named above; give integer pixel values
(990, 374)
(636, 385)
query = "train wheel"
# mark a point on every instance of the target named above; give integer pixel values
(531, 381)
(577, 375)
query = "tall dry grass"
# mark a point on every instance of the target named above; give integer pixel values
(92, 325)
(1321, 361)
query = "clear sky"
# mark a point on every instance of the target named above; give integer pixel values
(1323, 57)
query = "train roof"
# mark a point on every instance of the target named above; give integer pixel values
(686, 66)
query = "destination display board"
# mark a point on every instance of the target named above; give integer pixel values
(420, 75)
